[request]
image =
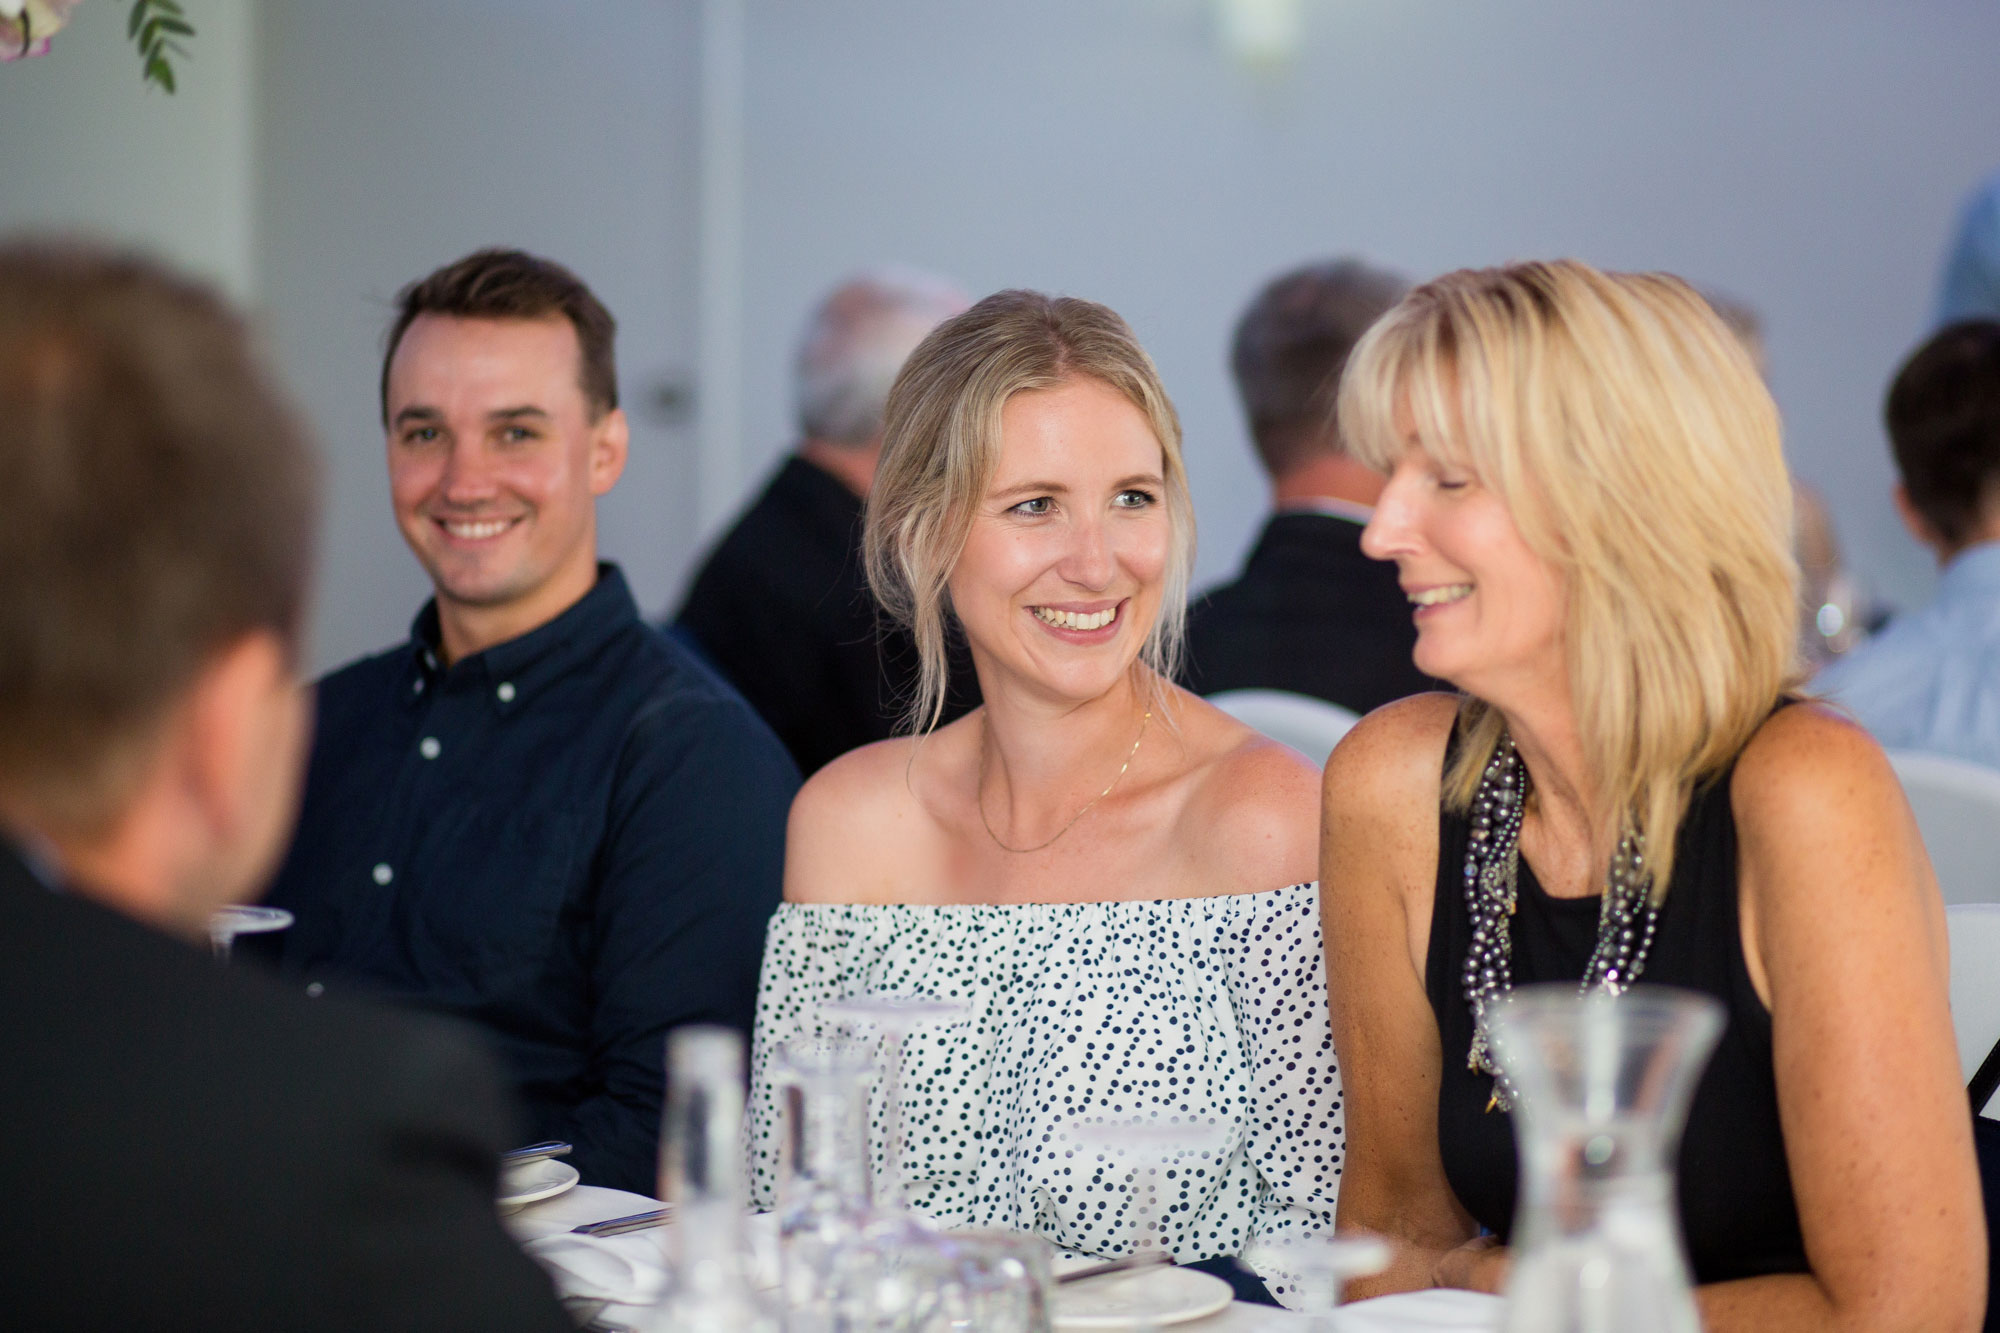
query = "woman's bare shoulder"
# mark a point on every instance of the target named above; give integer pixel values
(1808, 763)
(1252, 814)
(1389, 764)
(852, 823)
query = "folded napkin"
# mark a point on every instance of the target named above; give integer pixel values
(1436, 1311)
(625, 1270)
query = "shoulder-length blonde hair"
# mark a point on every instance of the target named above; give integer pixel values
(941, 448)
(1635, 445)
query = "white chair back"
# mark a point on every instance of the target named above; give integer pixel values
(1957, 804)
(1975, 982)
(1310, 726)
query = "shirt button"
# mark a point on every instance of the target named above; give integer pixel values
(315, 990)
(428, 747)
(417, 685)
(506, 691)
(382, 873)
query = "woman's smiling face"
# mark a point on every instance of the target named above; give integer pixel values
(1061, 576)
(1488, 609)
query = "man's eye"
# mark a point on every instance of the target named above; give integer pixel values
(516, 434)
(1036, 507)
(420, 435)
(1135, 499)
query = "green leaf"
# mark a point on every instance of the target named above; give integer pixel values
(177, 49)
(138, 17)
(170, 7)
(171, 25)
(160, 72)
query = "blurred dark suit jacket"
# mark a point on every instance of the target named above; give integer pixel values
(190, 1146)
(1310, 614)
(782, 609)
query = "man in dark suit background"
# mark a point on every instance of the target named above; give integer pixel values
(782, 606)
(1309, 613)
(191, 1146)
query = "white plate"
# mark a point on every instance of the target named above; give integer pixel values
(1169, 1295)
(543, 1178)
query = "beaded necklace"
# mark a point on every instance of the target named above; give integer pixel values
(1626, 920)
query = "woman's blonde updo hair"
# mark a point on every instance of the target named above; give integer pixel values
(941, 447)
(1636, 448)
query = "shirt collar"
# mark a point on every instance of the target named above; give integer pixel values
(512, 672)
(1331, 508)
(1973, 572)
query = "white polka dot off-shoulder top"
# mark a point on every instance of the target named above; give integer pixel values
(1206, 1009)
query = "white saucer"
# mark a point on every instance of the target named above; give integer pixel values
(1167, 1295)
(543, 1178)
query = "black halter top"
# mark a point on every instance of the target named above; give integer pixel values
(1738, 1215)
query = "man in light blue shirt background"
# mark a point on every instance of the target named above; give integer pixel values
(1931, 680)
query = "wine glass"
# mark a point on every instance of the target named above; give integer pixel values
(1147, 1151)
(895, 1017)
(226, 923)
(1317, 1266)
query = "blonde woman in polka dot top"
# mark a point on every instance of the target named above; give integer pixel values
(1112, 873)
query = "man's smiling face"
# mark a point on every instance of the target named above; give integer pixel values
(496, 460)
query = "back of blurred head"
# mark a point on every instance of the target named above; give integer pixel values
(1288, 355)
(156, 506)
(1943, 415)
(854, 344)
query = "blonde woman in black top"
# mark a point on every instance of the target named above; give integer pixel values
(1589, 510)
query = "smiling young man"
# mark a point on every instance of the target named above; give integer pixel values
(538, 813)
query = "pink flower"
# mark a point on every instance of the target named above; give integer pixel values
(27, 25)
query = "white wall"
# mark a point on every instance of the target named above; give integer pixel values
(397, 137)
(85, 147)
(1805, 155)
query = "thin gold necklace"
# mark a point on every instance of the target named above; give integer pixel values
(979, 793)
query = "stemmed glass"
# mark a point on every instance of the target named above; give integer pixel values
(1147, 1150)
(1318, 1266)
(226, 923)
(895, 1017)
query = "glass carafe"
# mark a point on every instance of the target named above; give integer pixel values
(1602, 1087)
(710, 1287)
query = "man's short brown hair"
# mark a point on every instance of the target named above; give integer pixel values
(157, 502)
(1290, 348)
(512, 284)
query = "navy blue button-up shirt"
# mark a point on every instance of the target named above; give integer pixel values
(574, 839)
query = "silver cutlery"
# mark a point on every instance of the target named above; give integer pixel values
(535, 1152)
(618, 1226)
(1130, 1263)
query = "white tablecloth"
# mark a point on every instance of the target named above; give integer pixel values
(1412, 1312)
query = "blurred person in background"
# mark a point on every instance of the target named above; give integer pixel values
(538, 813)
(1588, 504)
(1116, 874)
(1970, 285)
(1835, 612)
(192, 1146)
(1309, 613)
(1931, 680)
(782, 607)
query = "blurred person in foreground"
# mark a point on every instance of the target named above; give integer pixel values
(1588, 507)
(1115, 873)
(782, 606)
(1309, 613)
(192, 1146)
(538, 813)
(1931, 680)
